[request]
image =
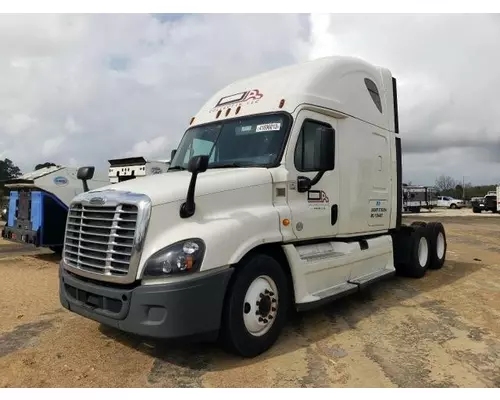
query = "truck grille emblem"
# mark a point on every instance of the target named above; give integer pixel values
(99, 201)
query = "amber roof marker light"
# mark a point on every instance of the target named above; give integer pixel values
(282, 103)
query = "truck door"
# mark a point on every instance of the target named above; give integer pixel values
(314, 213)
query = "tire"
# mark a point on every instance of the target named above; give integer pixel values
(453, 206)
(418, 223)
(57, 249)
(253, 276)
(437, 245)
(476, 210)
(419, 254)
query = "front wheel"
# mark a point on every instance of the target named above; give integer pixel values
(453, 206)
(256, 306)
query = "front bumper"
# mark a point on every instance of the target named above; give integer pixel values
(19, 235)
(167, 311)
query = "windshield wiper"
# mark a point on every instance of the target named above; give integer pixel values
(228, 165)
(177, 168)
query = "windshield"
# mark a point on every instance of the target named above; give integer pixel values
(255, 141)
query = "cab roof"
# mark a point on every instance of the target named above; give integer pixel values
(347, 85)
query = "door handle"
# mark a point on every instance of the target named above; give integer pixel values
(334, 214)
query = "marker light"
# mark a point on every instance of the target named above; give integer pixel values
(286, 222)
(282, 103)
(191, 122)
(218, 114)
(238, 109)
(228, 111)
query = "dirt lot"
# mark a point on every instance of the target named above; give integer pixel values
(443, 330)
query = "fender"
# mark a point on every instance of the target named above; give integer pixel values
(231, 224)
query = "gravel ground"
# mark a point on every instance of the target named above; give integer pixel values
(440, 331)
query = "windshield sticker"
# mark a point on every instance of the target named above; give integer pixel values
(274, 126)
(246, 128)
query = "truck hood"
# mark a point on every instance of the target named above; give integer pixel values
(172, 186)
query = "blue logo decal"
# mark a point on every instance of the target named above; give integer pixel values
(60, 181)
(378, 202)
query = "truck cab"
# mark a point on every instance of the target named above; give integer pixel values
(284, 193)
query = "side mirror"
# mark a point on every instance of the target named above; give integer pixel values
(172, 154)
(196, 165)
(303, 184)
(84, 174)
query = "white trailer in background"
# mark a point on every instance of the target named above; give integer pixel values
(124, 169)
(498, 198)
(38, 205)
(285, 191)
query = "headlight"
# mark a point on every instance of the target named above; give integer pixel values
(179, 258)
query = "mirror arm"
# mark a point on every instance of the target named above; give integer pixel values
(317, 178)
(85, 185)
(188, 207)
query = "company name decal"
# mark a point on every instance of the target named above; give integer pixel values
(243, 98)
(60, 181)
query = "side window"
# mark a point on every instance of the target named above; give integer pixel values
(308, 154)
(375, 95)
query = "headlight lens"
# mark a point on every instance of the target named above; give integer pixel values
(181, 257)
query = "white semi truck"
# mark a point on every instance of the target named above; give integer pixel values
(284, 193)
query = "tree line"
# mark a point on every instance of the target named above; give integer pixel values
(447, 186)
(8, 170)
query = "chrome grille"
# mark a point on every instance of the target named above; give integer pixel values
(100, 239)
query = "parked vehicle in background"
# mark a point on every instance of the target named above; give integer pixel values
(4, 214)
(486, 203)
(417, 197)
(450, 202)
(498, 198)
(38, 205)
(124, 169)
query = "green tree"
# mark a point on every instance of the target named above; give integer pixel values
(8, 170)
(45, 165)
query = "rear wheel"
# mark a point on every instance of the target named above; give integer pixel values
(476, 210)
(256, 306)
(437, 245)
(419, 254)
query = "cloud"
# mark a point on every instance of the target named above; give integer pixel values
(87, 88)
(95, 87)
(448, 70)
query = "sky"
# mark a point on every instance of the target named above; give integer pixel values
(82, 89)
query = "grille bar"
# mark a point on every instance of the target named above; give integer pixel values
(100, 239)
